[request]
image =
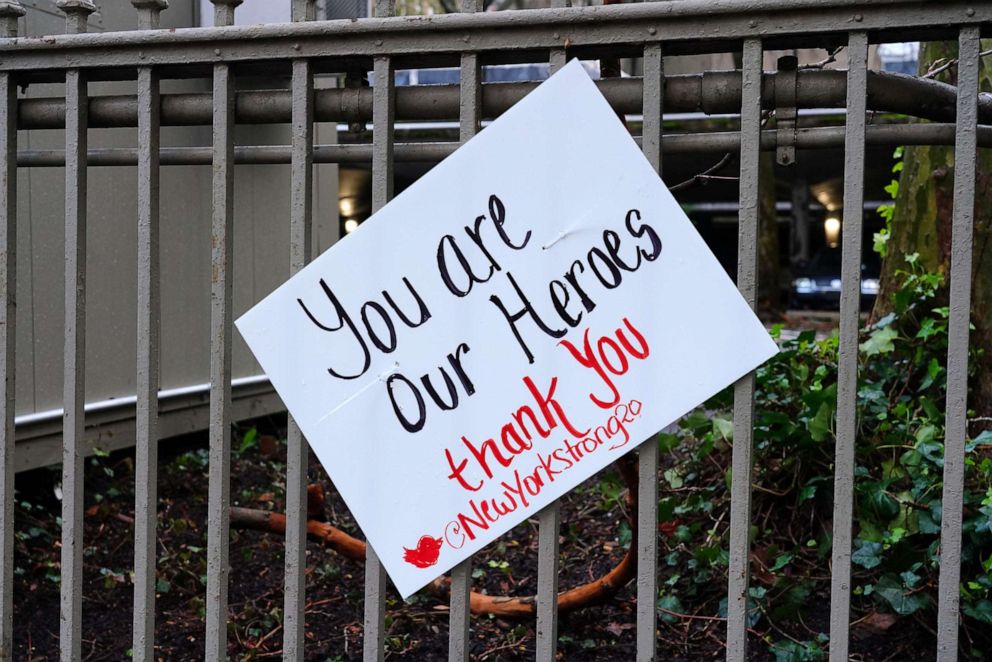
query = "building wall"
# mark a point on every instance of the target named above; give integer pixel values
(261, 239)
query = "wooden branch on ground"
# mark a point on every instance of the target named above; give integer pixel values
(579, 597)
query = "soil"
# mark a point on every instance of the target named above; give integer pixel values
(592, 541)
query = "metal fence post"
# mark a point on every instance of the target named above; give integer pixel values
(300, 249)
(383, 116)
(956, 431)
(549, 519)
(647, 455)
(847, 368)
(10, 12)
(148, 330)
(221, 257)
(469, 115)
(747, 261)
(73, 426)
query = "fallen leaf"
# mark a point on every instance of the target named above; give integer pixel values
(878, 623)
(616, 629)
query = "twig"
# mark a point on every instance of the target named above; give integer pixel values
(713, 530)
(705, 175)
(830, 59)
(936, 68)
(693, 617)
(512, 644)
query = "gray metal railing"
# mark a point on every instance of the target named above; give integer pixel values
(306, 48)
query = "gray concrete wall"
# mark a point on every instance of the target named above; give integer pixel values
(261, 240)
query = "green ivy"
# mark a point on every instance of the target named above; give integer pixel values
(897, 481)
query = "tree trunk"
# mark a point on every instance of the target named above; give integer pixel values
(922, 224)
(769, 270)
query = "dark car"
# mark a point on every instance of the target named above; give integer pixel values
(817, 285)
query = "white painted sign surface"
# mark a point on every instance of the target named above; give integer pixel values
(530, 310)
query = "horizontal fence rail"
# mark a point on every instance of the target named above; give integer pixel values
(297, 54)
(713, 93)
(685, 26)
(720, 141)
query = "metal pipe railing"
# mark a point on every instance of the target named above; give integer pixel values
(830, 137)
(717, 92)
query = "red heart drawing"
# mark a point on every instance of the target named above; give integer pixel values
(425, 554)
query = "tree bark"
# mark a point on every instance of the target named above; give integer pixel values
(769, 267)
(922, 224)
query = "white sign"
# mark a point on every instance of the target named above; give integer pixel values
(530, 310)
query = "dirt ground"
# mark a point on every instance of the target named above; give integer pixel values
(592, 541)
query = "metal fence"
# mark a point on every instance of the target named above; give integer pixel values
(650, 31)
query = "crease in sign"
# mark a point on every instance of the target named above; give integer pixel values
(381, 378)
(558, 237)
(575, 228)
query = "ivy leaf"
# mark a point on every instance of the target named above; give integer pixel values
(868, 555)
(900, 599)
(819, 425)
(933, 369)
(883, 506)
(667, 442)
(670, 603)
(910, 578)
(927, 524)
(927, 445)
(880, 341)
(928, 328)
(624, 535)
(980, 611)
(880, 241)
(885, 321)
(249, 440)
(983, 439)
(781, 561)
(723, 427)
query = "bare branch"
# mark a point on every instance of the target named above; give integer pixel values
(941, 65)
(706, 175)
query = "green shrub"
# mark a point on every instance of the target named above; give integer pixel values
(898, 481)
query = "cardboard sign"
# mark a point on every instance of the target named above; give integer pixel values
(530, 310)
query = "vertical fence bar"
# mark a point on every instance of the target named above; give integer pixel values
(74, 366)
(549, 519)
(148, 326)
(847, 369)
(8, 311)
(74, 360)
(747, 261)
(9, 14)
(146, 415)
(383, 116)
(470, 104)
(647, 456)
(956, 431)
(300, 250)
(221, 257)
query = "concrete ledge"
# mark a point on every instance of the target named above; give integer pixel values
(110, 424)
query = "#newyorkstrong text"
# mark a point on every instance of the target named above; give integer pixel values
(478, 468)
(522, 487)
